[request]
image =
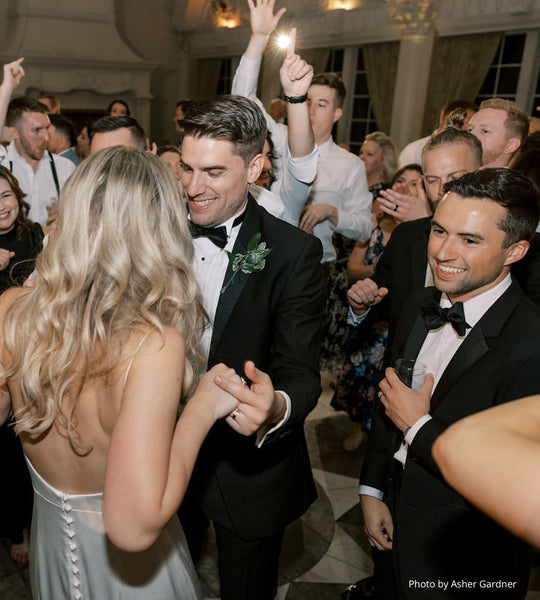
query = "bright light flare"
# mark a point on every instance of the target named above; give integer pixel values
(283, 41)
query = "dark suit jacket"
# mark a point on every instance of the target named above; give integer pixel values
(438, 534)
(272, 317)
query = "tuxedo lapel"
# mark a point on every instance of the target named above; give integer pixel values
(477, 343)
(471, 350)
(416, 338)
(419, 258)
(230, 296)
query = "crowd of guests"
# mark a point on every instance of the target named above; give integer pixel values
(169, 310)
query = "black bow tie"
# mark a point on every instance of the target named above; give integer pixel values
(217, 235)
(435, 316)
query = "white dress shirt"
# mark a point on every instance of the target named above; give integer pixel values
(210, 265)
(438, 350)
(341, 176)
(39, 186)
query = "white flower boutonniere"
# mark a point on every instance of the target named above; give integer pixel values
(251, 262)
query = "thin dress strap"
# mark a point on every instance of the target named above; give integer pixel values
(128, 368)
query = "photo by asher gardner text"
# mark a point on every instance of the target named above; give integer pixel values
(461, 584)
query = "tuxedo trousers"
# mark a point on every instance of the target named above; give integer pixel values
(248, 569)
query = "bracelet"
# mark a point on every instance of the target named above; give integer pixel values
(295, 99)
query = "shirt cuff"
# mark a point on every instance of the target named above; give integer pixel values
(355, 320)
(262, 435)
(303, 168)
(367, 490)
(410, 435)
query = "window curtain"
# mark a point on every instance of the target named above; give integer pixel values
(459, 66)
(208, 70)
(380, 61)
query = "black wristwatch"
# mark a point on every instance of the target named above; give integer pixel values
(295, 99)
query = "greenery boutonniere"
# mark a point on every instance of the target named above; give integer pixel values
(252, 261)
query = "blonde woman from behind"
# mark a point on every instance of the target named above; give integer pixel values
(95, 359)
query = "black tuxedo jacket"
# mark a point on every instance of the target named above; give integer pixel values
(438, 534)
(272, 317)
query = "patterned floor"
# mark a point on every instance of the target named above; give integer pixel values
(324, 551)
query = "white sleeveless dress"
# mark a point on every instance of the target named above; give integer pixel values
(71, 558)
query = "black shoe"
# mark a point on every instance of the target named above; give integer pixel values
(361, 590)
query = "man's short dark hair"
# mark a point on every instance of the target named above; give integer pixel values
(108, 124)
(450, 136)
(234, 119)
(64, 127)
(168, 148)
(184, 105)
(334, 82)
(511, 190)
(117, 101)
(52, 98)
(18, 106)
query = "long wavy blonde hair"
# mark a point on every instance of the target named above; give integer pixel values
(120, 259)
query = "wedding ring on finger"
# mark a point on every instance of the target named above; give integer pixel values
(235, 414)
(396, 207)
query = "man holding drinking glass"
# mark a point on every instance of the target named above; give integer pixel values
(479, 337)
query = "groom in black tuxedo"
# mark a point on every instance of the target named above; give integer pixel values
(253, 474)
(480, 338)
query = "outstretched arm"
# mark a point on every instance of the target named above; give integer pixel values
(296, 75)
(263, 22)
(146, 481)
(491, 458)
(13, 73)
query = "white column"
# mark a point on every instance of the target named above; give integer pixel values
(416, 20)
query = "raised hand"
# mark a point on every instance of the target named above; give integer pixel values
(402, 205)
(5, 257)
(13, 73)
(295, 73)
(262, 17)
(364, 294)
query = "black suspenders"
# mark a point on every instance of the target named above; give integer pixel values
(53, 171)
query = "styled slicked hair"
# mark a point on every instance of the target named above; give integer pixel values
(450, 136)
(511, 190)
(234, 119)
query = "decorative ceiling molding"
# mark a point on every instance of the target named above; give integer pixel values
(370, 23)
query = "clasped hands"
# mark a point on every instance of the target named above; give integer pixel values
(248, 409)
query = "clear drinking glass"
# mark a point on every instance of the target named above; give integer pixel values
(411, 372)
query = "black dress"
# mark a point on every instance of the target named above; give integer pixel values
(16, 500)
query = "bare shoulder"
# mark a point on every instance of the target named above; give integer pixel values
(152, 345)
(9, 297)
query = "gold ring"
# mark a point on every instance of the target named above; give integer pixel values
(235, 413)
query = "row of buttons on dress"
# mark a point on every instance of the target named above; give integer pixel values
(66, 509)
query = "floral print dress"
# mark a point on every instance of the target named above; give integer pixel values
(362, 370)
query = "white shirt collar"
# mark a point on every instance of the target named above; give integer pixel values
(476, 307)
(14, 154)
(324, 149)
